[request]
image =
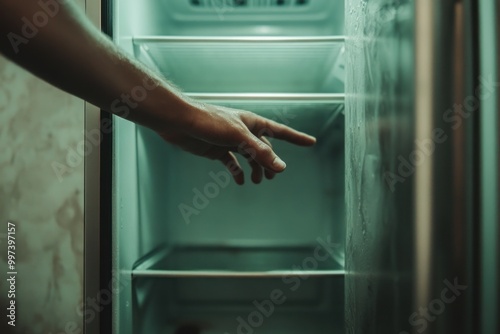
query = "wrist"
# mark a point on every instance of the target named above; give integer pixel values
(165, 111)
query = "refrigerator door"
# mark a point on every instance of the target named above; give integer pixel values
(414, 98)
(92, 190)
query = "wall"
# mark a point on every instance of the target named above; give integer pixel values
(39, 125)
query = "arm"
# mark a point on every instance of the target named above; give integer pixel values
(70, 53)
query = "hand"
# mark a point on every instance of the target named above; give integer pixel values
(206, 130)
(218, 132)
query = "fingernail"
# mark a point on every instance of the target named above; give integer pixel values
(309, 136)
(279, 164)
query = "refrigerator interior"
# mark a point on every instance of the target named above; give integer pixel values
(195, 252)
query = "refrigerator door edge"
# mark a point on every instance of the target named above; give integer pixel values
(92, 204)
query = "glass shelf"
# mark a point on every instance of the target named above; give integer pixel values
(213, 305)
(298, 323)
(282, 98)
(244, 262)
(201, 64)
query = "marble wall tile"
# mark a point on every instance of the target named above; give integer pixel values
(39, 124)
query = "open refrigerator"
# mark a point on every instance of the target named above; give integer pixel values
(326, 246)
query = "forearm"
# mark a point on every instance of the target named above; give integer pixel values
(71, 54)
(68, 52)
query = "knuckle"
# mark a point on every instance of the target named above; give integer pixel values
(264, 149)
(265, 132)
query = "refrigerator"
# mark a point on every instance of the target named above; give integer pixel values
(389, 224)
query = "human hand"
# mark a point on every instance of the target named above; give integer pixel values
(218, 133)
(206, 130)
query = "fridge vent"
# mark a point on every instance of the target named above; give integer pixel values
(247, 3)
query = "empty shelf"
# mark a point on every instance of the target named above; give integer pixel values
(247, 64)
(298, 323)
(213, 305)
(238, 262)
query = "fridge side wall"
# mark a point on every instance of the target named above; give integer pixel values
(379, 129)
(126, 224)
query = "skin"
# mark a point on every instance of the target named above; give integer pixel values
(70, 53)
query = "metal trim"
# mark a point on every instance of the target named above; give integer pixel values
(92, 198)
(223, 274)
(236, 39)
(424, 109)
(92, 218)
(497, 32)
(441, 248)
(490, 163)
